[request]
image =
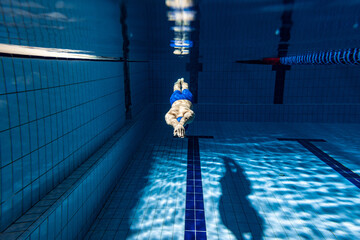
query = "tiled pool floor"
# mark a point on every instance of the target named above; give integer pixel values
(253, 185)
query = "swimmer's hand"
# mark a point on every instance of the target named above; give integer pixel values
(179, 131)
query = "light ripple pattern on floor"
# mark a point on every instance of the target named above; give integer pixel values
(254, 186)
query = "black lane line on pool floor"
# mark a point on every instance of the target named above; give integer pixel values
(331, 162)
(195, 226)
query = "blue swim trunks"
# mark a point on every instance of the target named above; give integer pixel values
(177, 95)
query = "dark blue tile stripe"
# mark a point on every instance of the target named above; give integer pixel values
(331, 162)
(296, 139)
(352, 177)
(195, 226)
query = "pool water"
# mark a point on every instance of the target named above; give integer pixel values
(254, 186)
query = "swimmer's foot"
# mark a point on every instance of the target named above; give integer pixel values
(177, 85)
(184, 85)
(180, 80)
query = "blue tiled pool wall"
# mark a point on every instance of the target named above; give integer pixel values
(339, 113)
(236, 92)
(139, 84)
(51, 125)
(230, 91)
(77, 211)
(55, 114)
(137, 22)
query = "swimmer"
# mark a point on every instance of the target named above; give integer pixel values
(180, 113)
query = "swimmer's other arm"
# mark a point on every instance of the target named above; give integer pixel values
(179, 129)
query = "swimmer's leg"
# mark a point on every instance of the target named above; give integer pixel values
(184, 84)
(177, 85)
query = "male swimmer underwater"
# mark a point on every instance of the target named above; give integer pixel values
(180, 113)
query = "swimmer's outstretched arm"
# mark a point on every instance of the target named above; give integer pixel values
(179, 129)
(170, 118)
(188, 117)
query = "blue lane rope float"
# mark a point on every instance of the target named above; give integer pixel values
(349, 56)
